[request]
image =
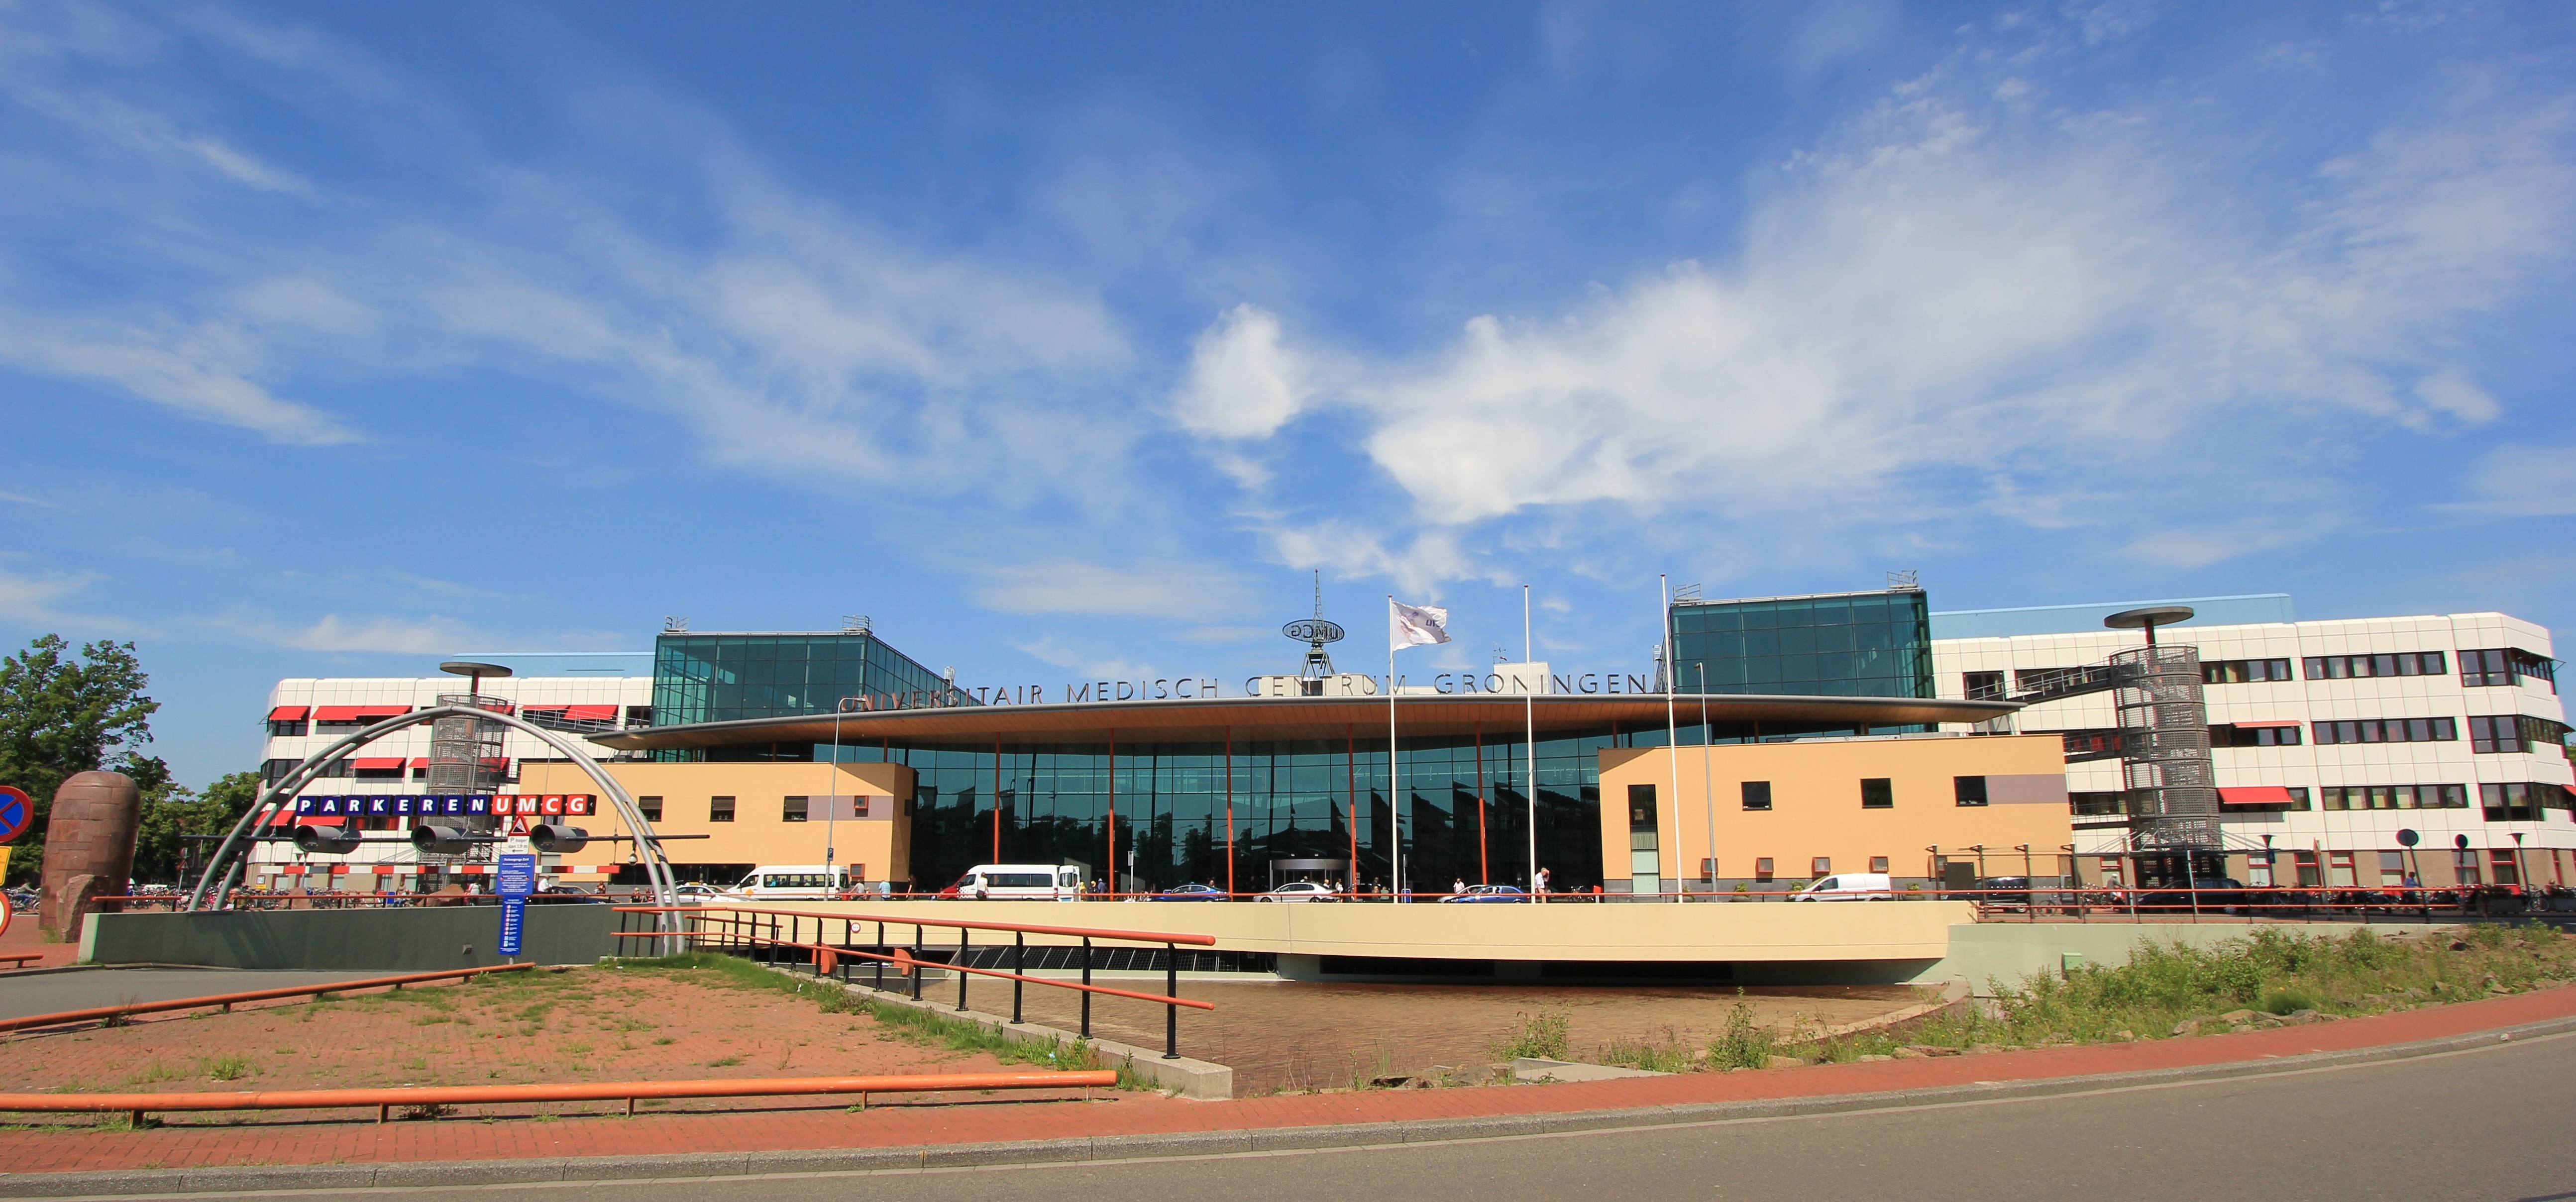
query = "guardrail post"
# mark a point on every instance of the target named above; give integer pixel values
(961, 970)
(1171, 1012)
(881, 950)
(1019, 968)
(1086, 990)
(916, 961)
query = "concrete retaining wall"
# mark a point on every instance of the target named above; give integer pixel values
(401, 939)
(1985, 953)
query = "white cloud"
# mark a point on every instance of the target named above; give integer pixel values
(203, 371)
(2520, 480)
(382, 635)
(1946, 295)
(1243, 382)
(1067, 586)
(31, 601)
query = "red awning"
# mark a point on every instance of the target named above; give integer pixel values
(419, 762)
(2254, 795)
(353, 713)
(541, 707)
(2265, 722)
(377, 762)
(288, 713)
(591, 713)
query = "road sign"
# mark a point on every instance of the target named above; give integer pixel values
(2406, 837)
(514, 877)
(5, 913)
(514, 918)
(17, 812)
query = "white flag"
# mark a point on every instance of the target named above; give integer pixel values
(1415, 625)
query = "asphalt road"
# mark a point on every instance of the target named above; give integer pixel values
(55, 992)
(2493, 1124)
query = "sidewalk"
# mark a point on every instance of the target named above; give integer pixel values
(809, 1137)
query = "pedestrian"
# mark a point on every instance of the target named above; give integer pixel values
(1542, 883)
(1457, 886)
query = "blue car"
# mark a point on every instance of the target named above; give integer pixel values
(1489, 893)
(1192, 892)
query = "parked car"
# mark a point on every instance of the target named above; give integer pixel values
(1018, 882)
(1190, 892)
(1850, 886)
(1489, 893)
(1300, 891)
(566, 895)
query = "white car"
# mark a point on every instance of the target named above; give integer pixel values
(1850, 886)
(1301, 891)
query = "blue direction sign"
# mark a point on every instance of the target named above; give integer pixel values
(514, 877)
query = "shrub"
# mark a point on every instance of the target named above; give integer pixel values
(1744, 1043)
(2285, 1001)
(1540, 1037)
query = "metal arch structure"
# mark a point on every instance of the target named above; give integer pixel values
(649, 848)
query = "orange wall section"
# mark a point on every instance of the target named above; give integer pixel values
(880, 842)
(1816, 806)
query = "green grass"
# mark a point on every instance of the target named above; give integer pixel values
(1744, 1043)
(1540, 1036)
(230, 1067)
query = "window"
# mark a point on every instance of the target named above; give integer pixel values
(2509, 734)
(1708, 869)
(2239, 735)
(652, 807)
(793, 810)
(2339, 870)
(1984, 686)
(2392, 865)
(2506, 871)
(1645, 861)
(2506, 666)
(1762, 869)
(1878, 863)
(1757, 795)
(1969, 790)
(1877, 793)
(2346, 667)
(2389, 730)
(1821, 866)
(2465, 864)
(2396, 797)
(393, 773)
(2097, 805)
(2305, 864)
(719, 809)
(286, 730)
(2246, 671)
(273, 771)
(639, 715)
(2515, 802)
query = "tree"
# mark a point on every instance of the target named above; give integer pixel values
(62, 714)
(161, 849)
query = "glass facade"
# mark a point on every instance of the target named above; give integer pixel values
(1468, 816)
(1875, 644)
(723, 677)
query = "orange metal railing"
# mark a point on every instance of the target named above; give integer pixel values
(753, 928)
(227, 1001)
(137, 1105)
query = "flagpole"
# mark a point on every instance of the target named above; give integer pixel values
(1672, 726)
(1394, 805)
(1529, 739)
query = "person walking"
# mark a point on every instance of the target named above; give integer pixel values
(1457, 886)
(1541, 883)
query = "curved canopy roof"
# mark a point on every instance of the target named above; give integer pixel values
(1265, 718)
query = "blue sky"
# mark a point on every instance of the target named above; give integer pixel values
(1065, 341)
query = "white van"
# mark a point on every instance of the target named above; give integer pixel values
(1018, 882)
(1850, 886)
(795, 882)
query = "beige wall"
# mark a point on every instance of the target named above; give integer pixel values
(879, 842)
(1816, 805)
(1913, 930)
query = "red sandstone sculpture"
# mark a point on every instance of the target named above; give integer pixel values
(89, 848)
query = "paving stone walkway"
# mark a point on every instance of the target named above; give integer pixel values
(929, 1124)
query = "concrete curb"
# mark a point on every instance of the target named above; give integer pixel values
(918, 1158)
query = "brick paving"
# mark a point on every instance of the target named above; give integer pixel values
(24, 935)
(974, 1120)
(1298, 1035)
